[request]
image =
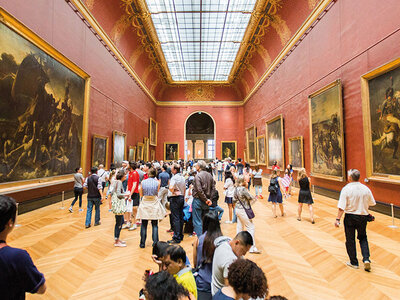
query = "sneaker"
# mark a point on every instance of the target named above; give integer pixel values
(367, 266)
(97, 224)
(173, 242)
(87, 226)
(133, 227)
(228, 222)
(126, 225)
(254, 250)
(170, 230)
(351, 265)
(70, 209)
(81, 209)
(119, 245)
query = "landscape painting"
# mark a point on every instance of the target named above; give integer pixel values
(119, 148)
(381, 96)
(261, 157)
(228, 149)
(99, 150)
(171, 151)
(153, 132)
(326, 132)
(42, 107)
(296, 152)
(275, 142)
(251, 144)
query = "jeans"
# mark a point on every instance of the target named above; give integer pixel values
(258, 189)
(204, 295)
(199, 208)
(220, 175)
(245, 223)
(119, 221)
(176, 204)
(234, 218)
(90, 202)
(351, 224)
(78, 193)
(143, 232)
(249, 184)
(219, 210)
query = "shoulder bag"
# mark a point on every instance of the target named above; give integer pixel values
(249, 211)
(118, 206)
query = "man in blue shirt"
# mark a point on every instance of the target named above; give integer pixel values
(164, 180)
(18, 274)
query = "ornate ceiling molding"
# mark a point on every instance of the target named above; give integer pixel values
(200, 93)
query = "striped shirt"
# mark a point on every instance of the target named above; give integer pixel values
(150, 187)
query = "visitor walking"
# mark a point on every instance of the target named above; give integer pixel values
(229, 188)
(94, 197)
(132, 203)
(177, 189)
(305, 195)
(275, 194)
(220, 169)
(118, 205)
(78, 189)
(257, 181)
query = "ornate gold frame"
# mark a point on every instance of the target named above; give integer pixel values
(283, 140)
(134, 153)
(265, 148)
(102, 137)
(116, 132)
(302, 150)
(236, 154)
(152, 155)
(252, 128)
(146, 149)
(11, 22)
(387, 178)
(140, 145)
(165, 152)
(152, 121)
(337, 83)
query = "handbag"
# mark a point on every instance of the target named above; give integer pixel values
(249, 211)
(118, 206)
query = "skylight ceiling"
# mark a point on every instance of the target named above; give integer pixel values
(200, 38)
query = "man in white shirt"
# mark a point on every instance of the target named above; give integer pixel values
(354, 200)
(176, 194)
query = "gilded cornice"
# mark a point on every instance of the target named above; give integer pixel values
(200, 93)
(120, 27)
(281, 28)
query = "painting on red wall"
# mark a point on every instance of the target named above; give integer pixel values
(99, 150)
(153, 132)
(251, 144)
(229, 149)
(275, 142)
(171, 151)
(261, 153)
(119, 148)
(42, 107)
(326, 132)
(132, 153)
(381, 96)
(296, 152)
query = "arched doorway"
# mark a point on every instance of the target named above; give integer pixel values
(200, 136)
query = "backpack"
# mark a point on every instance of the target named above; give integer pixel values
(273, 186)
(214, 198)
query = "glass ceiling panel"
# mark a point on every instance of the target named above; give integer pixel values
(200, 38)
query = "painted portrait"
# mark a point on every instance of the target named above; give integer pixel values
(381, 96)
(146, 149)
(275, 142)
(153, 155)
(42, 107)
(140, 149)
(296, 152)
(261, 154)
(153, 132)
(251, 144)
(228, 149)
(119, 148)
(99, 150)
(326, 132)
(131, 153)
(171, 151)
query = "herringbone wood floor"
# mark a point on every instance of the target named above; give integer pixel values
(301, 260)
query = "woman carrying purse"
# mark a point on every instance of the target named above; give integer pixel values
(243, 200)
(118, 206)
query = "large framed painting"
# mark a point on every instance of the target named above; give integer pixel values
(146, 149)
(326, 132)
(43, 108)
(152, 155)
(171, 151)
(153, 132)
(229, 149)
(381, 113)
(132, 153)
(246, 159)
(296, 152)
(261, 153)
(251, 144)
(275, 142)
(119, 148)
(100, 150)
(140, 150)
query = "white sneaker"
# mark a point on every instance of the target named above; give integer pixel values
(127, 225)
(81, 209)
(351, 265)
(70, 209)
(133, 227)
(119, 245)
(254, 250)
(228, 222)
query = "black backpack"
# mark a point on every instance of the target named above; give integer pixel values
(273, 186)
(214, 197)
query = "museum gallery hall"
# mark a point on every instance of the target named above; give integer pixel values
(199, 149)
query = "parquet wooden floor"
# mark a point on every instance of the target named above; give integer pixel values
(301, 260)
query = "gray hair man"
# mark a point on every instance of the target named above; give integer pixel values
(354, 201)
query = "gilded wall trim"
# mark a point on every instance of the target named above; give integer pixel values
(119, 28)
(200, 103)
(135, 56)
(281, 29)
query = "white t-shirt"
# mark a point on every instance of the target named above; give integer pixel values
(355, 198)
(189, 197)
(219, 166)
(230, 188)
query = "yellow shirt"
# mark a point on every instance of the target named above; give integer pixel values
(185, 278)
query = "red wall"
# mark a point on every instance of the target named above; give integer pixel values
(351, 39)
(171, 123)
(116, 101)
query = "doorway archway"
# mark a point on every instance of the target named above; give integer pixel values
(200, 136)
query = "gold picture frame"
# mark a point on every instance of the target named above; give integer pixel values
(381, 165)
(152, 155)
(119, 147)
(96, 160)
(229, 149)
(261, 151)
(132, 153)
(153, 127)
(140, 150)
(275, 149)
(171, 154)
(251, 144)
(25, 33)
(296, 152)
(326, 128)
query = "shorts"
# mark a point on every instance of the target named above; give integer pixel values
(129, 206)
(135, 199)
(228, 200)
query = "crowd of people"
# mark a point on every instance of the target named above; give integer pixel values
(138, 193)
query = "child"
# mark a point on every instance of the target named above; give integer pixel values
(286, 181)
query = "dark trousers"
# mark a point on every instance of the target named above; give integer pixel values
(351, 224)
(143, 232)
(96, 203)
(176, 206)
(78, 194)
(119, 221)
